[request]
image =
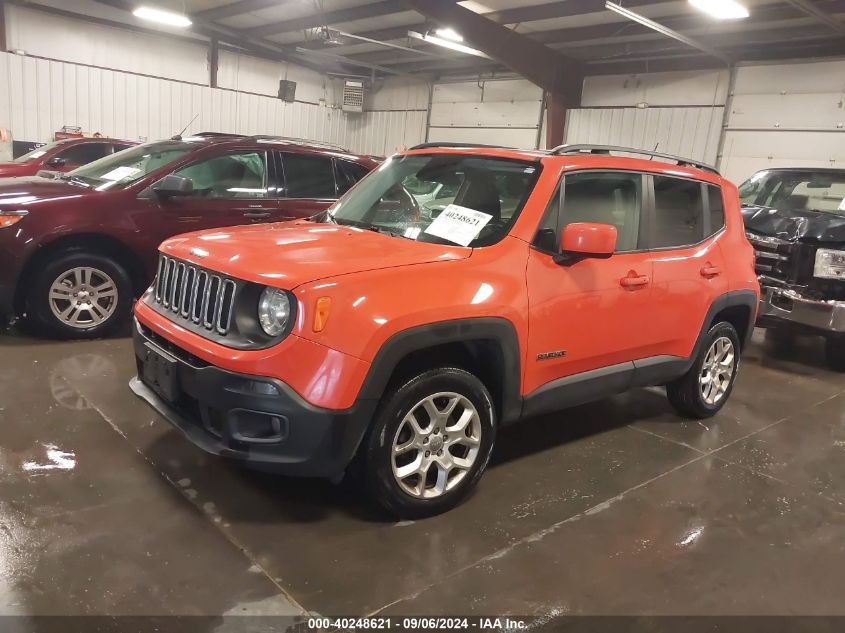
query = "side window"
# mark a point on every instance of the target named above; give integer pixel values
(309, 176)
(678, 213)
(347, 175)
(717, 208)
(231, 176)
(84, 153)
(547, 237)
(119, 147)
(607, 198)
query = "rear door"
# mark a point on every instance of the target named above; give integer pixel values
(229, 189)
(686, 221)
(309, 184)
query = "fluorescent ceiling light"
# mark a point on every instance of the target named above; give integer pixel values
(440, 41)
(162, 17)
(721, 9)
(449, 34)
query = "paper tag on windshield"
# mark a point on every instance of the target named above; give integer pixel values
(458, 224)
(119, 173)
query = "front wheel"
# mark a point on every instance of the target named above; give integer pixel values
(706, 387)
(430, 443)
(79, 295)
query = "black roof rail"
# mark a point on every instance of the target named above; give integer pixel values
(218, 135)
(298, 141)
(457, 146)
(608, 149)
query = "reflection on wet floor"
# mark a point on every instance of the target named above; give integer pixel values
(616, 507)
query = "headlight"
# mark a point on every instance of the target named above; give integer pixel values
(829, 264)
(273, 311)
(8, 218)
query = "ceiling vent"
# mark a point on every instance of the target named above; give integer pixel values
(353, 96)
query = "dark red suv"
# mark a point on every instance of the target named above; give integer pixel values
(75, 251)
(63, 156)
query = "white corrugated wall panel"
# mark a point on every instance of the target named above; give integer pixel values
(38, 97)
(692, 132)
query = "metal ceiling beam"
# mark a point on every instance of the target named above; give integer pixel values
(235, 37)
(676, 61)
(237, 8)
(819, 14)
(656, 26)
(346, 60)
(544, 66)
(547, 11)
(374, 10)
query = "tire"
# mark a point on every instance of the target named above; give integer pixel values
(835, 352)
(100, 287)
(688, 395)
(414, 496)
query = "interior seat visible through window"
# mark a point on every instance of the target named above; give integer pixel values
(479, 192)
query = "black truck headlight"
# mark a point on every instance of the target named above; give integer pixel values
(830, 264)
(273, 311)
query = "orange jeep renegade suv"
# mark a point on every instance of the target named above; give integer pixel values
(394, 339)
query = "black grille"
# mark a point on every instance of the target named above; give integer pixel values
(205, 299)
(774, 257)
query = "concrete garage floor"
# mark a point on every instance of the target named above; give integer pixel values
(618, 507)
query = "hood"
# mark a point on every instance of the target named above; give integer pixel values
(289, 254)
(10, 170)
(34, 190)
(795, 226)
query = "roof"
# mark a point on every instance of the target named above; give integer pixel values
(352, 36)
(211, 138)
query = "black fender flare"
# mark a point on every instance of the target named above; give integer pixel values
(499, 330)
(735, 298)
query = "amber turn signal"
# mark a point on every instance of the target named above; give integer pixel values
(321, 313)
(8, 218)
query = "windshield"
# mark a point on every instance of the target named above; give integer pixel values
(38, 152)
(123, 168)
(799, 190)
(485, 196)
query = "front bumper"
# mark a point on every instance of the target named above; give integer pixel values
(782, 306)
(249, 418)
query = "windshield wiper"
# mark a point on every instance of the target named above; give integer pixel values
(358, 223)
(75, 180)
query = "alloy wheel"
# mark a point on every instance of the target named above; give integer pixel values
(83, 297)
(436, 445)
(717, 370)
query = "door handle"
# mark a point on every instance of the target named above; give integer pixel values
(634, 281)
(257, 215)
(711, 271)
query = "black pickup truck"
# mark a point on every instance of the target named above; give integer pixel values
(795, 219)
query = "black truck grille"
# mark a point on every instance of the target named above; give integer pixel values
(775, 258)
(205, 299)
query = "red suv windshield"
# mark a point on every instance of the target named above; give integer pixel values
(121, 169)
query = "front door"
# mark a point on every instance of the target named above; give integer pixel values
(593, 313)
(229, 189)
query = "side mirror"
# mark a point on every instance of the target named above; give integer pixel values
(173, 185)
(57, 161)
(586, 239)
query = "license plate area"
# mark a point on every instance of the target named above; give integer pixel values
(160, 372)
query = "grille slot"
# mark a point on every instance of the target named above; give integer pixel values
(187, 292)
